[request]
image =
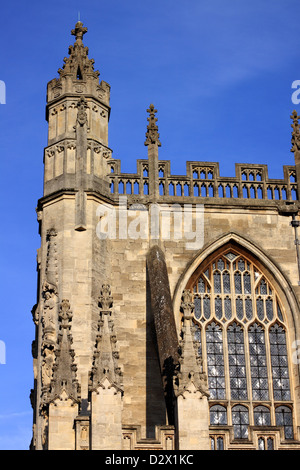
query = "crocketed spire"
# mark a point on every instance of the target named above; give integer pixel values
(78, 63)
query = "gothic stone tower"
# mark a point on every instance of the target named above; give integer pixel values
(167, 305)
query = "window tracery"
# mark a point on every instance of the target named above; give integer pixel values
(242, 338)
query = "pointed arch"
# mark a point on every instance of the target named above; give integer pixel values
(246, 343)
(269, 267)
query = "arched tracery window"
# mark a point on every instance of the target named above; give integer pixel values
(242, 338)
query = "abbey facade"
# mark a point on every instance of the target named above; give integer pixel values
(167, 312)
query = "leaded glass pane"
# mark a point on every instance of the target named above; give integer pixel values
(239, 308)
(237, 366)
(247, 283)
(215, 362)
(261, 443)
(231, 256)
(263, 288)
(241, 265)
(269, 309)
(279, 362)
(201, 286)
(248, 307)
(227, 307)
(240, 421)
(279, 313)
(220, 443)
(217, 282)
(218, 415)
(262, 416)
(258, 363)
(221, 265)
(237, 283)
(260, 309)
(270, 443)
(197, 303)
(218, 307)
(284, 418)
(206, 307)
(226, 283)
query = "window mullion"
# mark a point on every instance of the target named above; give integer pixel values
(248, 371)
(269, 371)
(226, 366)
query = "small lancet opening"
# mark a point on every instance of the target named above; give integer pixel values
(79, 74)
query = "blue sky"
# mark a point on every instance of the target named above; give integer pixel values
(219, 73)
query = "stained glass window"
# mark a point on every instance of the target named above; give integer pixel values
(243, 343)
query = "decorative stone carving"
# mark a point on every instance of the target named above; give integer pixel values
(82, 429)
(64, 384)
(189, 376)
(35, 314)
(50, 152)
(187, 304)
(78, 62)
(105, 371)
(47, 367)
(51, 262)
(105, 299)
(295, 134)
(45, 427)
(49, 309)
(82, 115)
(152, 135)
(78, 32)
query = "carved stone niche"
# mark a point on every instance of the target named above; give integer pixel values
(82, 430)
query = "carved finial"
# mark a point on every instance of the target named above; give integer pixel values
(105, 371)
(152, 135)
(189, 377)
(64, 382)
(187, 304)
(78, 32)
(296, 132)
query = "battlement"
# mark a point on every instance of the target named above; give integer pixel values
(203, 183)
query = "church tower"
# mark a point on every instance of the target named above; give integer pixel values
(81, 321)
(71, 260)
(167, 305)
